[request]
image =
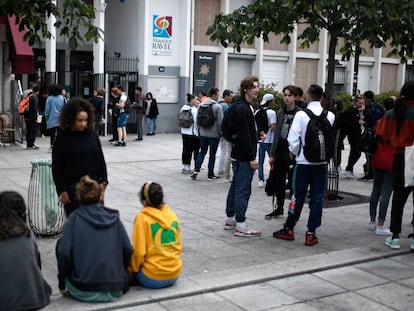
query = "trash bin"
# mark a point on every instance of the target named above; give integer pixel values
(46, 216)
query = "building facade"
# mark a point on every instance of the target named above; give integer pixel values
(162, 46)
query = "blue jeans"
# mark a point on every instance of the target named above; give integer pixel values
(303, 176)
(151, 283)
(240, 190)
(263, 147)
(381, 191)
(152, 124)
(205, 143)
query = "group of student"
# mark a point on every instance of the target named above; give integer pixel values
(95, 258)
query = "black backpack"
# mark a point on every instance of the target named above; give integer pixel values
(262, 122)
(185, 118)
(127, 107)
(319, 138)
(205, 115)
(229, 124)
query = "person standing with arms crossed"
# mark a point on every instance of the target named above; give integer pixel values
(244, 162)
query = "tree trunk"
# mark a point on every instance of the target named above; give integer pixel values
(331, 69)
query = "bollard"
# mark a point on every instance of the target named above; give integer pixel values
(46, 216)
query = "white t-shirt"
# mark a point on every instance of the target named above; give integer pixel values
(271, 119)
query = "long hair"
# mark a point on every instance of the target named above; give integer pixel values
(71, 110)
(12, 215)
(400, 106)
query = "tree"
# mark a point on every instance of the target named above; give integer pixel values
(74, 19)
(380, 22)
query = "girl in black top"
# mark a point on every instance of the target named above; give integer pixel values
(77, 152)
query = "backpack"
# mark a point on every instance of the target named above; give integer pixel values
(205, 115)
(319, 138)
(262, 122)
(24, 104)
(229, 124)
(377, 111)
(127, 106)
(185, 118)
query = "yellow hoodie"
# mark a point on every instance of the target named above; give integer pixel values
(156, 239)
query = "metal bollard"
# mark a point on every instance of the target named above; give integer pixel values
(46, 216)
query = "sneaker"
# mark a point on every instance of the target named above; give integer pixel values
(349, 175)
(186, 171)
(365, 178)
(381, 230)
(194, 175)
(118, 144)
(212, 177)
(275, 214)
(261, 183)
(311, 239)
(284, 234)
(34, 147)
(393, 243)
(372, 225)
(111, 140)
(246, 232)
(230, 225)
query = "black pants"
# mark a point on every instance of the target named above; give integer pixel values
(31, 127)
(191, 146)
(354, 152)
(282, 168)
(115, 128)
(401, 193)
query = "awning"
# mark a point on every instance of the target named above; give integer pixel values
(21, 53)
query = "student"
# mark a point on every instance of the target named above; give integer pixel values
(77, 152)
(94, 251)
(22, 286)
(156, 238)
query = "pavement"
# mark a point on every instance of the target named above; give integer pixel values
(350, 268)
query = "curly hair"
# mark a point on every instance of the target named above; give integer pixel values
(71, 110)
(12, 215)
(88, 190)
(152, 193)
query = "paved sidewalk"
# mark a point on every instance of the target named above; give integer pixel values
(225, 272)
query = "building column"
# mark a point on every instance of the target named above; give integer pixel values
(50, 45)
(290, 75)
(99, 47)
(376, 71)
(323, 60)
(401, 75)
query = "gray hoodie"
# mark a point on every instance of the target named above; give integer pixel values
(215, 130)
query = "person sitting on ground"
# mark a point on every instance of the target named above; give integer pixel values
(22, 286)
(94, 251)
(156, 238)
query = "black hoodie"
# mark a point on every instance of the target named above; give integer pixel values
(94, 251)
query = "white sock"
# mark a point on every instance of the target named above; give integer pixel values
(231, 219)
(242, 225)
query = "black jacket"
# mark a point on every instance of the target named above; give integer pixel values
(245, 147)
(94, 251)
(74, 155)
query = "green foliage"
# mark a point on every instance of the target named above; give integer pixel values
(74, 19)
(345, 98)
(380, 22)
(380, 97)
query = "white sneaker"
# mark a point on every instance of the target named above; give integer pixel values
(261, 183)
(349, 175)
(381, 230)
(246, 232)
(372, 225)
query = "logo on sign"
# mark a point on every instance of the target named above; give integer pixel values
(162, 26)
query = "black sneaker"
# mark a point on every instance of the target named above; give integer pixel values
(275, 214)
(118, 144)
(212, 177)
(111, 140)
(194, 175)
(123, 144)
(284, 234)
(366, 178)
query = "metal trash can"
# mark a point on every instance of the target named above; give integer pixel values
(46, 216)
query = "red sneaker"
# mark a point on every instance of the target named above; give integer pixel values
(311, 239)
(284, 234)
